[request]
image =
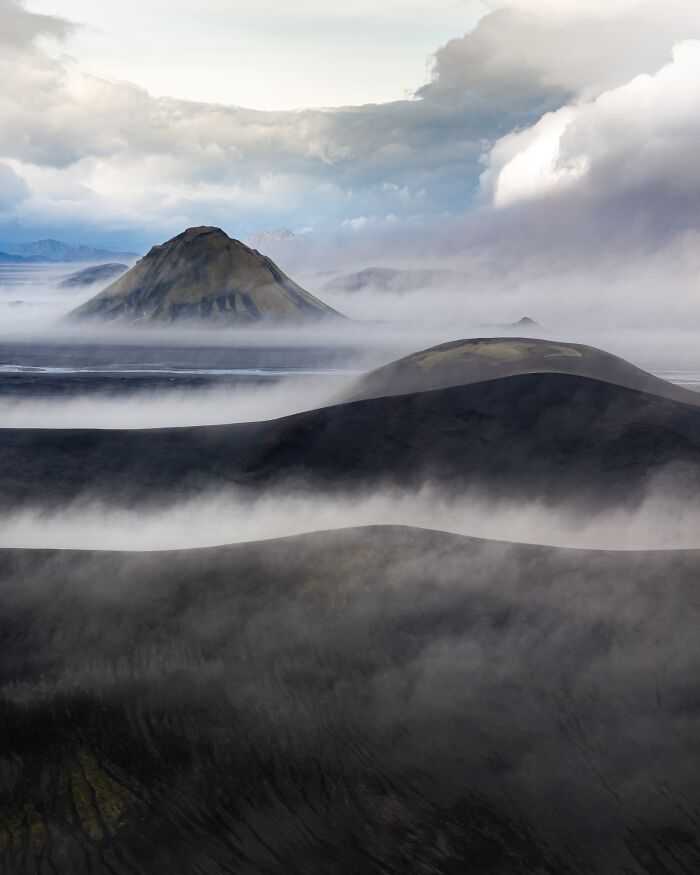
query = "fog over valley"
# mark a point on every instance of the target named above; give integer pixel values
(661, 521)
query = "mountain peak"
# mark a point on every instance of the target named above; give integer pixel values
(192, 235)
(201, 231)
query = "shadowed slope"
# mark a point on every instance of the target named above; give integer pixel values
(101, 273)
(538, 436)
(204, 274)
(474, 360)
(376, 701)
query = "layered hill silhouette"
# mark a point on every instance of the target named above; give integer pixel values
(489, 358)
(204, 275)
(379, 700)
(545, 436)
(89, 276)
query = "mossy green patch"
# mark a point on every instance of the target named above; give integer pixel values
(103, 800)
(83, 792)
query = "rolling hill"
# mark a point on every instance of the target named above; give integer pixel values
(376, 701)
(205, 276)
(474, 360)
(379, 700)
(549, 437)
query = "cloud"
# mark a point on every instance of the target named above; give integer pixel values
(660, 521)
(543, 50)
(104, 159)
(134, 161)
(13, 188)
(572, 9)
(489, 64)
(20, 28)
(632, 150)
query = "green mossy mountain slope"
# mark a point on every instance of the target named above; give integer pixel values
(203, 275)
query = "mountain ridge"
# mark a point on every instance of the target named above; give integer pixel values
(50, 250)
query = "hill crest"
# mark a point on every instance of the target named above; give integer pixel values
(474, 360)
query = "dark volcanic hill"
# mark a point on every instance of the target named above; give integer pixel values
(202, 274)
(474, 360)
(549, 437)
(378, 701)
(89, 276)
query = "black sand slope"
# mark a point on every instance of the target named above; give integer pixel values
(380, 700)
(545, 436)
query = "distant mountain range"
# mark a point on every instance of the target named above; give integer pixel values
(280, 245)
(56, 251)
(278, 237)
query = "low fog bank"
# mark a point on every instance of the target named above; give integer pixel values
(659, 522)
(172, 407)
(669, 350)
(498, 277)
(634, 303)
(32, 295)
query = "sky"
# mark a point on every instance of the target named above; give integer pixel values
(264, 54)
(536, 124)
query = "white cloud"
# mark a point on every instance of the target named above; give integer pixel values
(356, 224)
(549, 91)
(572, 9)
(639, 140)
(531, 161)
(105, 152)
(562, 47)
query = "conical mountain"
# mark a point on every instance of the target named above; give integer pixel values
(204, 275)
